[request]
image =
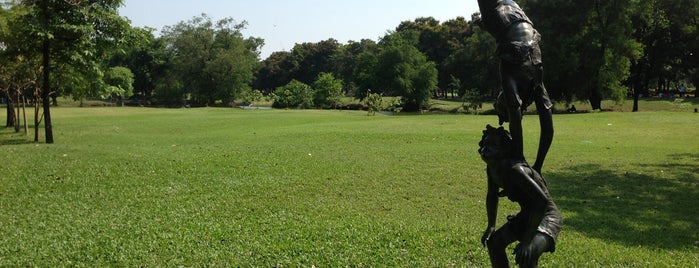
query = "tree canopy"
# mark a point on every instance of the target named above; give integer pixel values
(71, 37)
(212, 61)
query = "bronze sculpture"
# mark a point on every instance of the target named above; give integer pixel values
(538, 222)
(521, 71)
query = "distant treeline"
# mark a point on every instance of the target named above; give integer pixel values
(593, 50)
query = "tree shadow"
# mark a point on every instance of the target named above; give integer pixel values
(13, 138)
(632, 208)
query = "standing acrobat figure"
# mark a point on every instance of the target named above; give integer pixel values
(538, 222)
(521, 71)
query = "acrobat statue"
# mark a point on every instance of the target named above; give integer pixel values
(538, 222)
(521, 72)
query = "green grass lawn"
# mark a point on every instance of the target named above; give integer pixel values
(142, 187)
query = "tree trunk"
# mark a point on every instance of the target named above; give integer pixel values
(37, 120)
(46, 88)
(46, 94)
(636, 86)
(10, 114)
(595, 100)
(17, 121)
(24, 115)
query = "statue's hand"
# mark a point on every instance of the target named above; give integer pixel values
(523, 254)
(486, 235)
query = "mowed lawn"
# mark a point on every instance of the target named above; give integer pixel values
(141, 187)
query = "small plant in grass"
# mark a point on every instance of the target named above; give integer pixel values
(473, 100)
(374, 101)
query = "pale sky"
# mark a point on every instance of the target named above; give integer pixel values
(284, 23)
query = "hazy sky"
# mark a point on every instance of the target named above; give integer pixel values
(284, 23)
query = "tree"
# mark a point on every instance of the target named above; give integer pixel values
(328, 91)
(119, 82)
(365, 73)
(148, 59)
(588, 46)
(667, 29)
(277, 70)
(439, 42)
(474, 65)
(314, 59)
(402, 70)
(347, 60)
(212, 61)
(71, 33)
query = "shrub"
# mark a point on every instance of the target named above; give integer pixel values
(374, 102)
(293, 95)
(328, 91)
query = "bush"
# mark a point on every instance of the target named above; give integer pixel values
(293, 95)
(328, 91)
(250, 96)
(374, 102)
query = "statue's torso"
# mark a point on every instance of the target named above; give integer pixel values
(505, 14)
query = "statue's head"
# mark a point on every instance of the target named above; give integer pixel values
(495, 144)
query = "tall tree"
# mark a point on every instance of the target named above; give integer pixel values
(402, 70)
(588, 46)
(347, 61)
(668, 31)
(327, 91)
(314, 59)
(212, 61)
(277, 70)
(474, 65)
(149, 61)
(67, 33)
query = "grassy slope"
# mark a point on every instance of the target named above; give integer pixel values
(156, 187)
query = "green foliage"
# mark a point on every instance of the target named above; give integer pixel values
(364, 73)
(119, 82)
(616, 44)
(475, 65)
(328, 91)
(374, 102)
(306, 61)
(251, 96)
(212, 61)
(170, 91)
(148, 59)
(473, 100)
(314, 59)
(66, 40)
(439, 41)
(294, 95)
(402, 70)
(134, 187)
(593, 62)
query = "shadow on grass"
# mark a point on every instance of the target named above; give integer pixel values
(13, 138)
(633, 208)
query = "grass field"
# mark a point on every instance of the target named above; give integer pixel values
(142, 187)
